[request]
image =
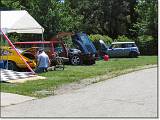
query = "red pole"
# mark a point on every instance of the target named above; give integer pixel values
(10, 43)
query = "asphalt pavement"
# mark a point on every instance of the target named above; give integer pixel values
(130, 95)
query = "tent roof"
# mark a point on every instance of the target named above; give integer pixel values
(19, 21)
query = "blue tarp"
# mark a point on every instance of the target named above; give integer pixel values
(2, 64)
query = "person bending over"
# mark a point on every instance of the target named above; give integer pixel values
(43, 62)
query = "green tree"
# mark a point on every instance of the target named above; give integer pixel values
(147, 22)
(146, 26)
(53, 15)
(105, 38)
(122, 38)
(106, 17)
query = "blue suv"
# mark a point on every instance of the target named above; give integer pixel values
(123, 49)
(117, 49)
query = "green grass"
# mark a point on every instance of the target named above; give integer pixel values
(113, 67)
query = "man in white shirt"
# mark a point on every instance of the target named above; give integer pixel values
(43, 62)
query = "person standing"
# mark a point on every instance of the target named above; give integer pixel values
(43, 62)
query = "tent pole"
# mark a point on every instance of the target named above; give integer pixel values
(5, 65)
(7, 62)
(10, 43)
(42, 38)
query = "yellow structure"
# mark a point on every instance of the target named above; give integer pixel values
(14, 61)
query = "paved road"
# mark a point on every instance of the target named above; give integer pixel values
(130, 95)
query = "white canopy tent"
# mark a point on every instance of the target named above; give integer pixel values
(19, 21)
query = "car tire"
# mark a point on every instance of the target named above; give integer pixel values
(133, 55)
(94, 62)
(75, 60)
(91, 62)
(12, 66)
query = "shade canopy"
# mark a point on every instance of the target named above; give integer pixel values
(19, 21)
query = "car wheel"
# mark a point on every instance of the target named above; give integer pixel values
(75, 60)
(93, 62)
(12, 66)
(133, 55)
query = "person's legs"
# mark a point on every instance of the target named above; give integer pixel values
(5, 64)
(46, 69)
(39, 70)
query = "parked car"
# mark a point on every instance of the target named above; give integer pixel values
(9, 55)
(52, 48)
(119, 49)
(83, 53)
(101, 47)
(88, 51)
(75, 56)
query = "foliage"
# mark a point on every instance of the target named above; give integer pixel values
(122, 38)
(147, 45)
(68, 18)
(105, 38)
(112, 17)
(53, 15)
(146, 26)
(68, 41)
(147, 22)
(3, 42)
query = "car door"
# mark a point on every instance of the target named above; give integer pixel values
(115, 50)
(126, 48)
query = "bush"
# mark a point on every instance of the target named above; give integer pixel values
(147, 45)
(105, 38)
(3, 41)
(68, 41)
(122, 38)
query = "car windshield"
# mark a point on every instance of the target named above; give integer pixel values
(58, 47)
(103, 45)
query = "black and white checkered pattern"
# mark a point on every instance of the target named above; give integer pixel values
(7, 75)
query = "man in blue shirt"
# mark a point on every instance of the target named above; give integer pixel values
(43, 62)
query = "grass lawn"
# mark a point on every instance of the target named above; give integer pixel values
(112, 67)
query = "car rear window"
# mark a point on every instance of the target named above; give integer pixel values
(125, 45)
(117, 46)
(129, 45)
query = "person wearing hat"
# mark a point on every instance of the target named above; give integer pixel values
(43, 61)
